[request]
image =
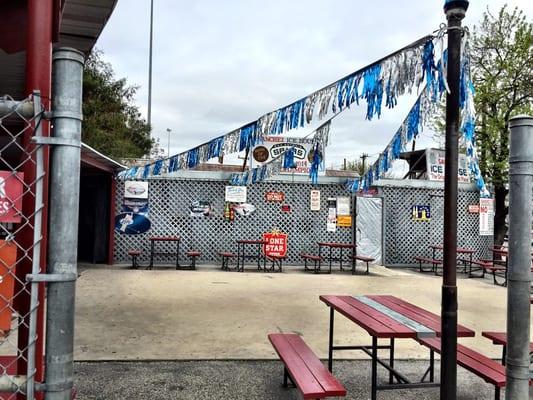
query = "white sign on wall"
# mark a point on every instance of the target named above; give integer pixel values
(235, 194)
(135, 190)
(486, 217)
(435, 159)
(315, 200)
(343, 206)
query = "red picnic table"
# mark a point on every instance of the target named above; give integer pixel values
(387, 317)
(500, 338)
(172, 239)
(241, 253)
(341, 247)
(466, 260)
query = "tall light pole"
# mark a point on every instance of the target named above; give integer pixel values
(150, 66)
(168, 143)
(455, 12)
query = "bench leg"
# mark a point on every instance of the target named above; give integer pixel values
(330, 346)
(374, 392)
(391, 361)
(496, 393)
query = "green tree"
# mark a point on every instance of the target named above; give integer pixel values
(502, 73)
(112, 122)
(502, 66)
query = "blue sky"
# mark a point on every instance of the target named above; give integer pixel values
(221, 64)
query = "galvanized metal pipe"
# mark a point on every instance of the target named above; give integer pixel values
(63, 233)
(22, 108)
(36, 261)
(455, 12)
(519, 275)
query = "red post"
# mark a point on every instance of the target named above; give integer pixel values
(38, 77)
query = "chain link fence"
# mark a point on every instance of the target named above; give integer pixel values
(21, 207)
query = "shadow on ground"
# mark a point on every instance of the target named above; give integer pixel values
(240, 380)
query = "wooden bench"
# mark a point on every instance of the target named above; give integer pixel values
(311, 257)
(226, 255)
(486, 368)
(434, 263)
(193, 254)
(364, 259)
(276, 262)
(134, 254)
(500, 338)
(304, 368)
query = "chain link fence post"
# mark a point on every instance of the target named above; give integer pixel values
(519, 279)
(63, 233)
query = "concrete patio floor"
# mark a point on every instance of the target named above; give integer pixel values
(210, 314)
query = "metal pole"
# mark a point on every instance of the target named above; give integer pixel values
(150, 66)
(64, 208)
(168, 143)
(519, 276)
(36, 262)
(455, 12)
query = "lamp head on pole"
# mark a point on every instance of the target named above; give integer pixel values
(449, 4)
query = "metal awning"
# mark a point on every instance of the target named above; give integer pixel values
(78, 25)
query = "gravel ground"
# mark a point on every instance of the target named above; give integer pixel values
(240, 380)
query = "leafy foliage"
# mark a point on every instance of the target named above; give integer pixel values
(112, 122)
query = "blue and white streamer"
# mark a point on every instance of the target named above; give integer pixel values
(391, 77)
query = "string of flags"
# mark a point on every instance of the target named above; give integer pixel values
(391, 77)
(285, 160)
(418, 117)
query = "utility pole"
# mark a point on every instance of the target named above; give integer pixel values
(150, 66)
(363, 157)
(168, 143)
(455, 12)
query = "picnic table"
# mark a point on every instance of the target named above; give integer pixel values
(242, 255)
(466, 259)
(500, 338)
(333, 245)
(386, 317)
(159, 239)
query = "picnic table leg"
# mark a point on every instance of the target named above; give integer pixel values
(178, 255)
(239, 257)
(285, 376)
(431, 366)
(259, 259)
(330, 346)
(496, 393)
(374, 392)
(504, 354)
(152, 249)
(391, 361)
(330, 255)
(340, 259)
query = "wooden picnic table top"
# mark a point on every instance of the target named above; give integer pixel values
(500, 338)
(464, 250)
(337, 245)
(394, 317)
(165, 238)
(252, 241)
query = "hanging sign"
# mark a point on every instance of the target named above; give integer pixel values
(201, 208)
(274, 146)
(276, 243)
(244, 209)
(275, 196)
(11, 196)
(435, 159)
(486, 217)
(473, 208)
(132, 224)
(235, 194)
(344, 221)
(343, 206)
(331, 219)
(135, 190)
(421, 213)
(315, 200)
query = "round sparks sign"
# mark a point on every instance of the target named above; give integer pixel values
(276, 244)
